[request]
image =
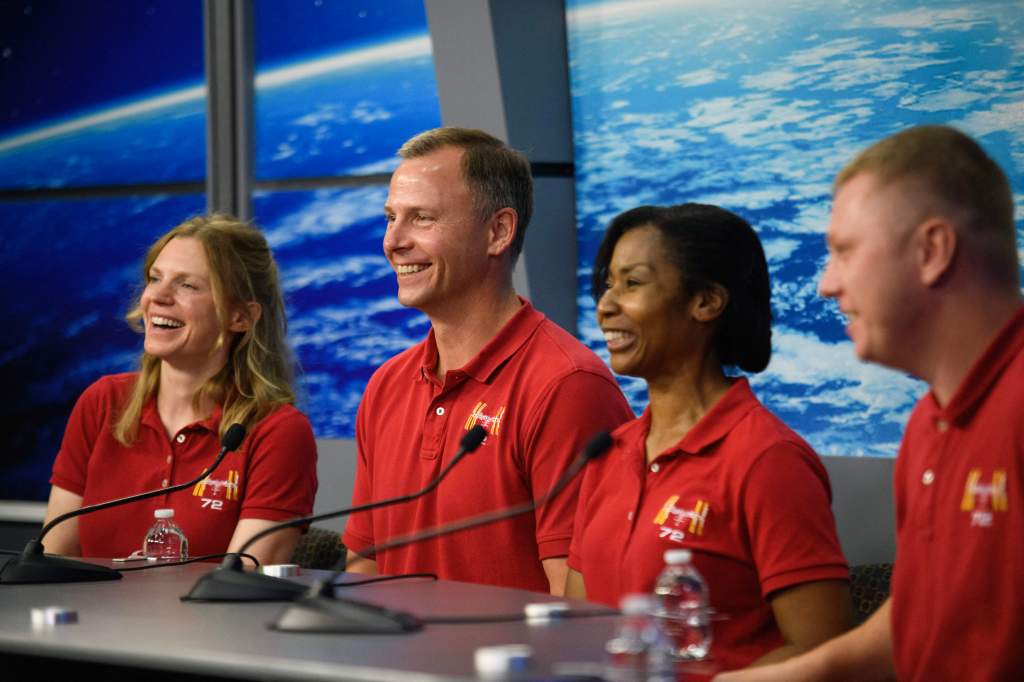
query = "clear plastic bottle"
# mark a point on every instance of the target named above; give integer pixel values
(165, 540)
(682, 606)
(638, 652)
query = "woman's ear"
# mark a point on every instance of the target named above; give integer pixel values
(243, 319)
(708, 304)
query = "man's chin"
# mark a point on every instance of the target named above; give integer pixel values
(413, 299)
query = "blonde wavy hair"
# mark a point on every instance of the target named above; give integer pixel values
(258, 376)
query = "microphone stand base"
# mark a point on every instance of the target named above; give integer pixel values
(336, 615)
(44, 568)
(226, 584)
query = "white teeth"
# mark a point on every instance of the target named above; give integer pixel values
(166, 322)
(612, 335)
(410, 269)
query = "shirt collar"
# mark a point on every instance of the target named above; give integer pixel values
(723, 416)
(1006, 345)
(509, 339)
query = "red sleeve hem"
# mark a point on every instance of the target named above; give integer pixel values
(804, 575)
(357, 543)
(553, 549)
(269, 514)
(76, 487)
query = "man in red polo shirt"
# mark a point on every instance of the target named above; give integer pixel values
(457, 212)
(923, 262)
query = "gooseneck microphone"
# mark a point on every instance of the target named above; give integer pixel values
(33, 566)
(320, 611)
(230, 582)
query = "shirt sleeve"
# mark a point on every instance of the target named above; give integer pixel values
(87, 420)
(358, 534)
(574, 410)
(786, 503)
(282, 468)
(575, 560)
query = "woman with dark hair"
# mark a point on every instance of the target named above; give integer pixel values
(683, 292)
(214, 354)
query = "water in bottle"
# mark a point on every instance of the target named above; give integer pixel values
(638, 652)
(682, 606)
(165, 540)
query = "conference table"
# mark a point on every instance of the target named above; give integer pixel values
(140, 624)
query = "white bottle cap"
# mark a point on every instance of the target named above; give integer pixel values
(51, 616)
(504, 659)
(164, 513)
(637, 604)
(545, 612)
(280, 570)
(677, 556)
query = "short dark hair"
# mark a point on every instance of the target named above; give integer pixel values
(710, 246)
(956, 175)
(497, 176)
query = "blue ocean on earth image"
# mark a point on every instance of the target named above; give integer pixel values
(343, 313)
(755, 106)
(69, 271)
(70, 267)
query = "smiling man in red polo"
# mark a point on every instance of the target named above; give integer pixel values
(457, 212)
(923, 262)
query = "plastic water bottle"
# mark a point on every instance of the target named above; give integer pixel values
(165, 540)
(682, 606)
(638, 652)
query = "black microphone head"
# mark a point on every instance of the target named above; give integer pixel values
(232, 437)
(471, 441)
(597, 445)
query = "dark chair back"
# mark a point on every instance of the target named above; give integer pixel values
(318, 548)
(869, 588)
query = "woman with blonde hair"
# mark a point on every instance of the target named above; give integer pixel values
(214, 354)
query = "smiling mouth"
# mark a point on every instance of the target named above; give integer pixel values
(161, 322)
(618, 340)
(410, 269)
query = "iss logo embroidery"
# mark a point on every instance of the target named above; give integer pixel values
(209, 497)
(982, 499)
(675, 522)
(491, 423)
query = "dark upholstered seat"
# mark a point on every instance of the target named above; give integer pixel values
(869, 588)
(318, 548)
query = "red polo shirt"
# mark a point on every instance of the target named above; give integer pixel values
(958, 584)
(271, 476)
(540, 394)
(741, 490)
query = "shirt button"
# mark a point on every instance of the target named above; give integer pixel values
(180, 438)
(655, 467)
(170, 459)
(927, 477)
(629, 516)
(439, 412)
(165, 483)
(942, 425)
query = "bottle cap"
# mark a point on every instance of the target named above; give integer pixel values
(501, 660)
(544, 612)
(677, 556)
(280, 570)
(164, 513)
(51, 616)
(637, 604)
